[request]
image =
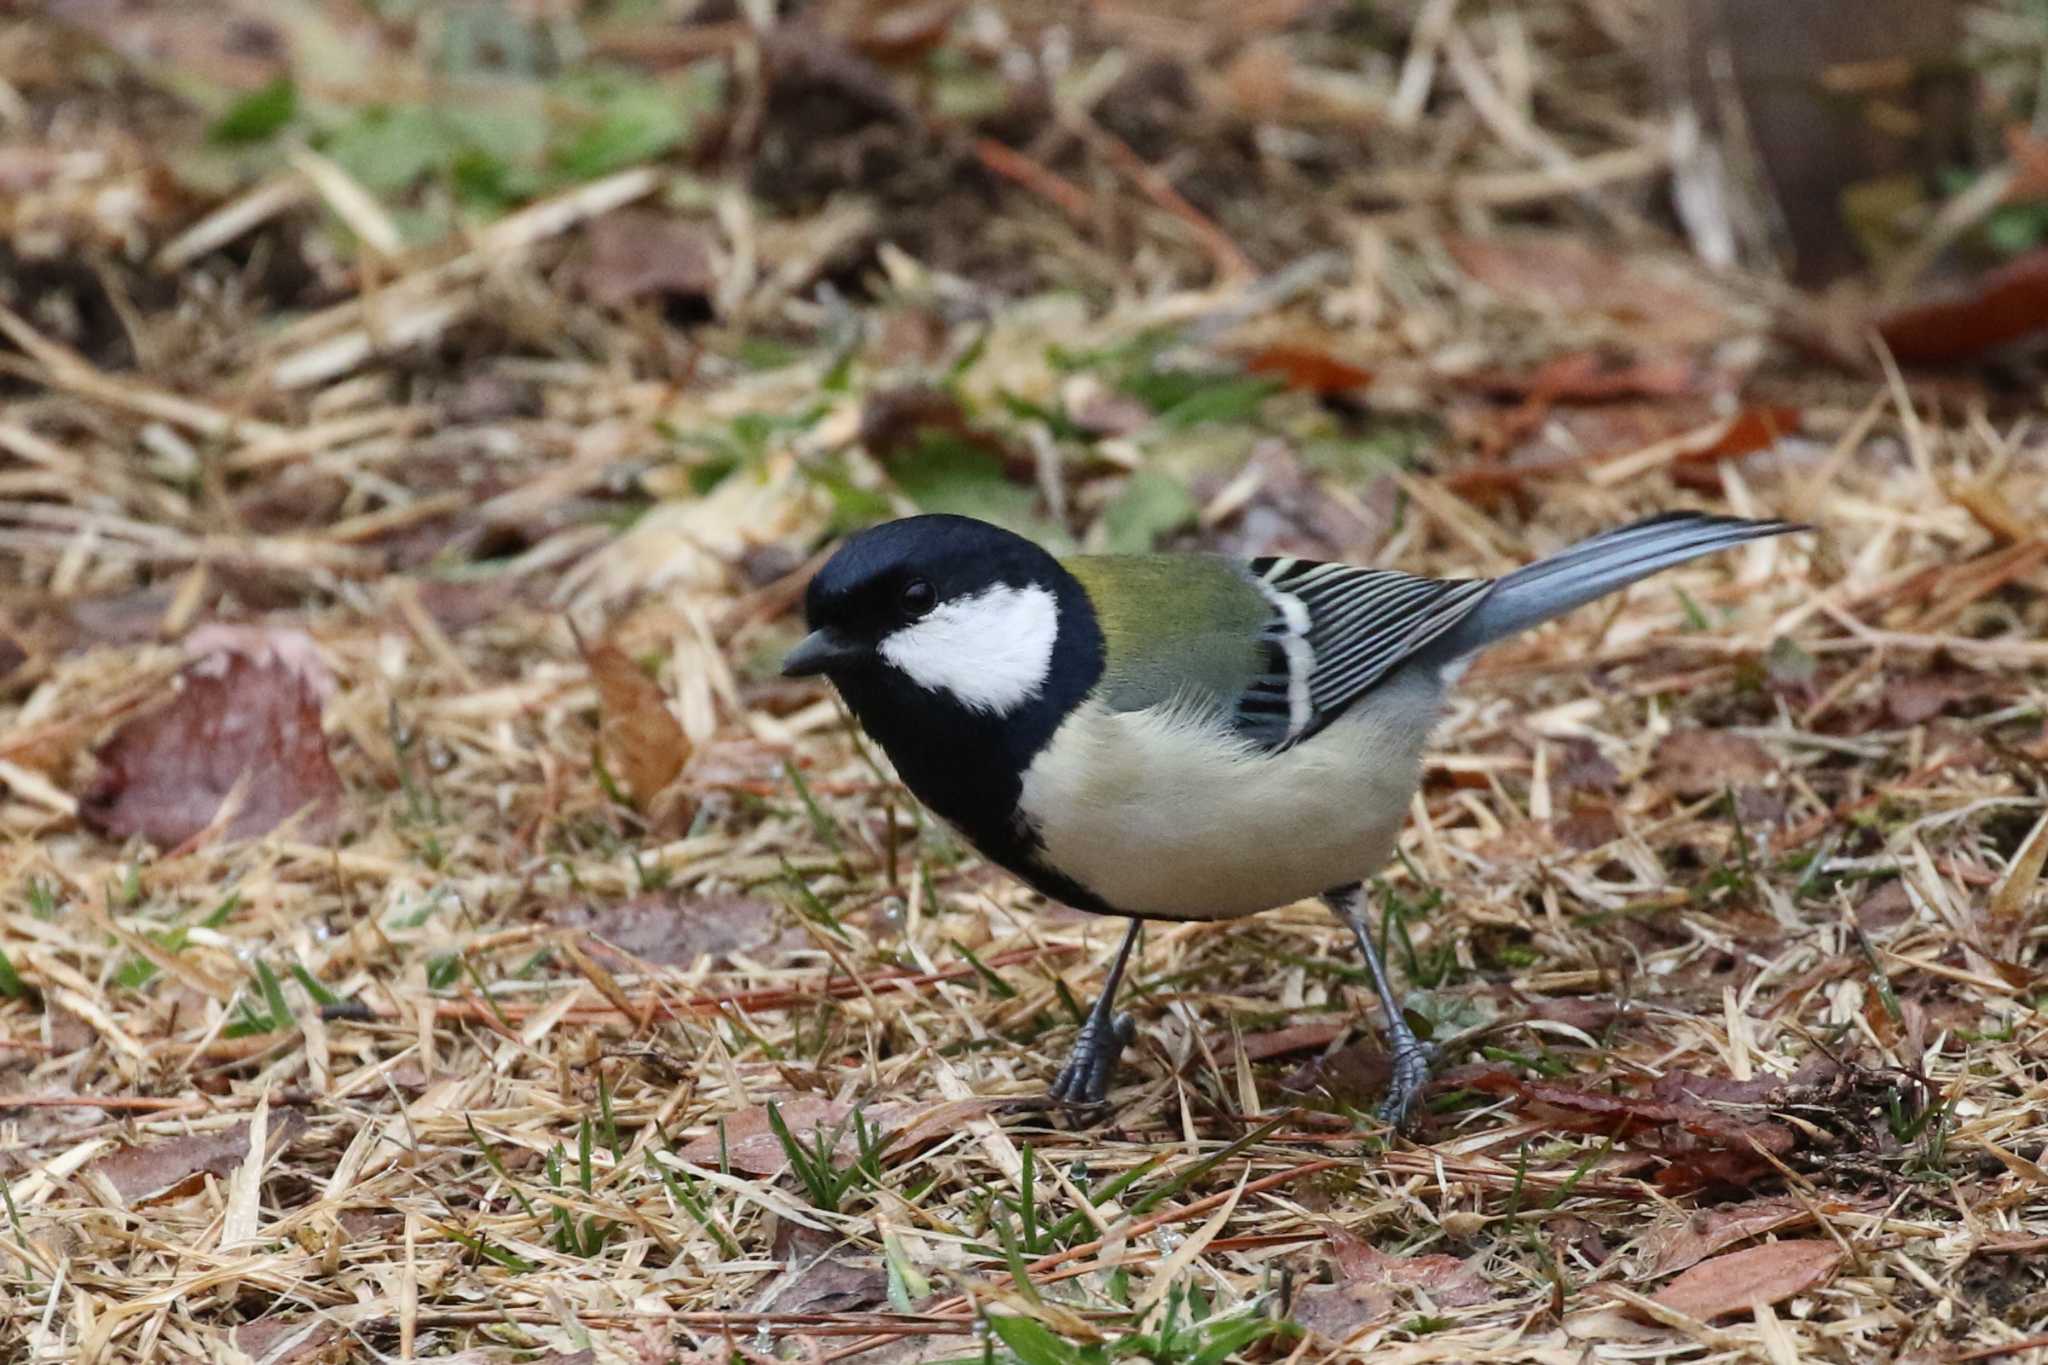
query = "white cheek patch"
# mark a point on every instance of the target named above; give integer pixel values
(991, 651)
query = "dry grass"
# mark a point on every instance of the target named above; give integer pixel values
(481, 1072)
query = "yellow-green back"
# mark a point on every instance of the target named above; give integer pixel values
(1175, 625)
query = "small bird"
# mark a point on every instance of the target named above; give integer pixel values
(1180, 736)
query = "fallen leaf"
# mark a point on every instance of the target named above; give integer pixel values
(1685, 1239)
(1700, 762)
(643, 744)
(1993, 310)
(1308, 368)
(1260, 1047)
(1703, 1146)
(1590, 377)
(1583, 768)
(1920, 696)
(752, 1147)
(1355, 1076)
(831, 1283)
(160, 1170)
(246, 712)
(286, 1340)
(898, 422)
(1741, 1280)
(634, 252)
(1372, 1284)
(899, 31)
(1748, 431)
(673, 929)
(1588, 824)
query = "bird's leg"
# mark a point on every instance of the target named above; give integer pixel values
(1085, 1078)
(1411, 1058)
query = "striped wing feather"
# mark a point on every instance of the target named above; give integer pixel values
(1336, 630)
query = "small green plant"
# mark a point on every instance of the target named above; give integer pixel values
(825, 1181)
(274, 1017)
(1189, 1333)
(587, 1236)
(11, 984)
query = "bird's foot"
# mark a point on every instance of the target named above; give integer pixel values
(1085, 1079)
(1411, 1072)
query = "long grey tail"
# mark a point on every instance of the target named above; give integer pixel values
(1593, 568)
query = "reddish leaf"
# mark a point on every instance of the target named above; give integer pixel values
(1740, 1280)
(1308, 369)
(643, 744)
(1998, 307)
(1750, 430)
(901, 30)
(247, 711)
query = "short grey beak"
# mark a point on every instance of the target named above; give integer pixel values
(820, 652)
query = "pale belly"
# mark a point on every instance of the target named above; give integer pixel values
(1163, 817)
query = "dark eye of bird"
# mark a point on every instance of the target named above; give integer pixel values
(918, 598)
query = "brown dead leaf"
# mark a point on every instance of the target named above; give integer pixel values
(1371, 1285)
(1700, 762)
(672, 929)
(752, 1147)
(286, 1339)
(822, 1275)
(1705, 1146)
(1684, 1239)
(159, 1170)
(1591, 377)
(635, 252)
(1259, 1047)
(1740, 1280)
(1355, 1076)
(1911, 698)
(1588, 824)
(246, 712)
(643, 743)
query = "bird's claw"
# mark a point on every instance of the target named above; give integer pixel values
(1084, 1080)
(1411, 1072)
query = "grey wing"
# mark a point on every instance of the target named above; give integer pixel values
(1335, 632)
